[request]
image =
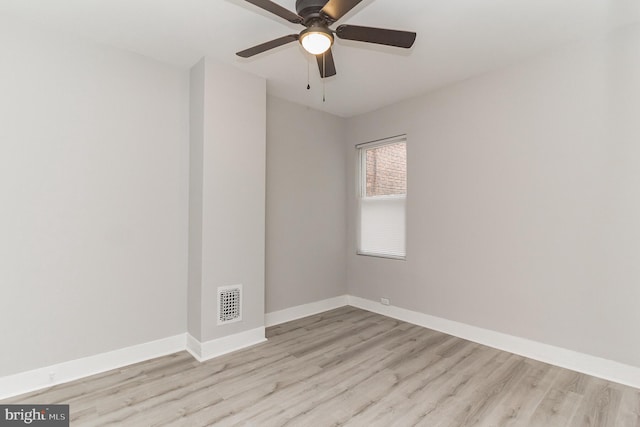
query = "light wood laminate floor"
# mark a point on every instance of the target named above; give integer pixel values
(347, 367)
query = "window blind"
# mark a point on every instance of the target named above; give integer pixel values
(382, 198)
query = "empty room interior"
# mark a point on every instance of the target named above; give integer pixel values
(320, 212)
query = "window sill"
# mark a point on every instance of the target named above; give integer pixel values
(395, 257)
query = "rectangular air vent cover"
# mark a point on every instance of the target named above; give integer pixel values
(229, 304)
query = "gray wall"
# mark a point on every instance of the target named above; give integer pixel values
(306, 206)
(93, 185)
(232, 199)
(523, 210)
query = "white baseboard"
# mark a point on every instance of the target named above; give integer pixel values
(26, 382)
(297, 312)
(569, 359)
(36, 379)
(203, 351)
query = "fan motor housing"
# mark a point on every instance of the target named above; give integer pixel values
(310, 9)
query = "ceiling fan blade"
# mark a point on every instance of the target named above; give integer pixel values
(326, 65)
(276, 9)
(247, 53)
(395, 38)
(336, 9)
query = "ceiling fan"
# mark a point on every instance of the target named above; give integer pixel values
(317, 38)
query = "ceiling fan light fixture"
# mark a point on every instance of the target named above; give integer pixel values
(316, 40)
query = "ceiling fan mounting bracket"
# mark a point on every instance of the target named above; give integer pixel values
(310, 11)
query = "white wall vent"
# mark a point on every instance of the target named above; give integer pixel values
(229, 304)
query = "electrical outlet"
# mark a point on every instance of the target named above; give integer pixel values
(384, 301)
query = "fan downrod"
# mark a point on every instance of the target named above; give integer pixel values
(309, 10)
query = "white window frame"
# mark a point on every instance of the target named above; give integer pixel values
(361, 191)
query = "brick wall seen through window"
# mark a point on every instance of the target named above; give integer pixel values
(386, 170)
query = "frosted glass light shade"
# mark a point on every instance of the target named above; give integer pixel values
(316, 42)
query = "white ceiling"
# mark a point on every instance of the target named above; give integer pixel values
(456, 39)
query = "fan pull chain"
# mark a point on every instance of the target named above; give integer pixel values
(308, 76)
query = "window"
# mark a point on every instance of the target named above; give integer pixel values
(382, 182)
